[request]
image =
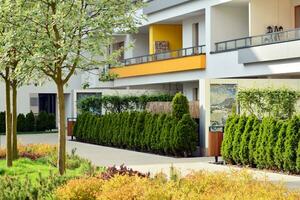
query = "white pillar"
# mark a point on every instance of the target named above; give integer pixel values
(204, 103)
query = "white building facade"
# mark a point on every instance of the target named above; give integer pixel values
(185, 43)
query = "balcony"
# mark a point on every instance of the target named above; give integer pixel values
(260, 40)
(186, 59)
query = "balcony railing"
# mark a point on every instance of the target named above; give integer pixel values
(191, 51)
(270, 38)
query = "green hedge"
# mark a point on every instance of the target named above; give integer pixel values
(270, 143)
(141, 131)
(118, 104)
(30, 123)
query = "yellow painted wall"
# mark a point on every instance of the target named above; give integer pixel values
(165, 32)
(264, 13)
(159, 67)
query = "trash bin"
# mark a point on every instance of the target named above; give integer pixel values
(215, 138)
(70, 126)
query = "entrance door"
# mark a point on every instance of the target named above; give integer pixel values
(297, 17)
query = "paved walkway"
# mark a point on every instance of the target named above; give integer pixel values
(106, 156)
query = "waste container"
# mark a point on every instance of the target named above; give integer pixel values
(70, 126)
(215, 138)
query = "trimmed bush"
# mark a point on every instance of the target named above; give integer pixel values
(244, 147)
(30, 122)
(254, 134)
(261, 145)
(21, 121)
(229, 132)
(275, 127)
(291, 144)
(237, 139)
(180, 106)
(270, 143)
(279, 147)
(138, 131)
(185, 136)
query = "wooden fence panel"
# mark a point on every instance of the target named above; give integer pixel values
(166, 107)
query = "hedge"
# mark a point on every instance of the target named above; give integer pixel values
(141, 131)
(118, 104)
(29, 123)
(269, 143)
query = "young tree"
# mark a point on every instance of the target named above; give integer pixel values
(13, 54)
(70, 36)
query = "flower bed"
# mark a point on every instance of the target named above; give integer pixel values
(198, 185)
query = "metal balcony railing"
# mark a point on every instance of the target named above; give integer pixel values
(191, 51)
(270, 38)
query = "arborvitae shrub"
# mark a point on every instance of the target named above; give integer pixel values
(164, 142)
(279, 147)
(30, 122)
(180, 106)
(42, 121)
(237, 139)
(185, 135)
(291, 144)
(51, 122)
(148, 124)
(244, 146)
(151, 137)
(132, 130)
(298, 158)
(227, 144)
(21, 120)
(254, 134)
(274, 128)
(139, 130)
(261, 147)
(2, 122)
(155, 144)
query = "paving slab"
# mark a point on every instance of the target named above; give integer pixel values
(145, 162)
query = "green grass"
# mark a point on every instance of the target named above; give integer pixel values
(33, 169)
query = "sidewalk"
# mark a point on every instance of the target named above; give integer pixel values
(145, 162)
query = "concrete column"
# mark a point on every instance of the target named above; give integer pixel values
(204, 103)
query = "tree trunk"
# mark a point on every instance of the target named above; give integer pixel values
(14, 121)
(61, 129)
(8, 121)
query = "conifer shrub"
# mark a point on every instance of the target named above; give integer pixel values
(237, 139)
(42, 121)
(180, 106)
(291, 144)
(298, 158)
(21, 121)
(279, 146)
(261, 145)
(30, 122)
(244, 147)
(274, 129)
(254, 134)
(185, 135)
(139, 130)
(165, 137)
(229, 132)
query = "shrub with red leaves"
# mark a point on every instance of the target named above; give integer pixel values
(123, 170)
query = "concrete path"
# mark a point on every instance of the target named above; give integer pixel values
(144, 162)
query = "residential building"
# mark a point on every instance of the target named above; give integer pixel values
(183, 44)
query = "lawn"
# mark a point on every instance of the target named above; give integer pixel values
(25, 167)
